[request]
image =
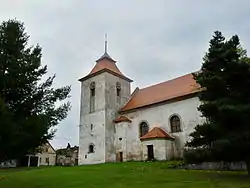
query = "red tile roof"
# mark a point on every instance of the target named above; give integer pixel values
(108, 65)
(178, 87)
(157, 132)
(122, 119)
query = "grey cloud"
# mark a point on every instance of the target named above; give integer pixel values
(152, 41)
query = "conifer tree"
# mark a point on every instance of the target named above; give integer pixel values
(28, 110)
(225, 101)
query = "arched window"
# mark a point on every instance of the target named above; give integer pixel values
(91, 148)
(175, 124)
(118, 89)
(118, 92)
(92, 97)
(143, 129)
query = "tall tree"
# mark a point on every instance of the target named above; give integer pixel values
(225, 101)
(29, 108)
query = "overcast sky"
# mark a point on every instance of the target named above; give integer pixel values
(152, 40)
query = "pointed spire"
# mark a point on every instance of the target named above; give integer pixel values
(106, 43)
(105, 55)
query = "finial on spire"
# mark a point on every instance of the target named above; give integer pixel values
(106, 43)
(105, 55)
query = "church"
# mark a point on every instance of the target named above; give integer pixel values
(151, 123)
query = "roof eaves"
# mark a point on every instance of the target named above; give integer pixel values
(122, 119)
(51, 146)
(164, 135)
(159, 102)
(135, 91)
(153, 138)
(101, 71)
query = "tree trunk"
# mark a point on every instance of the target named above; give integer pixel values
(248, 166)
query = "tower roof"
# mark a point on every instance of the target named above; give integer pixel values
(105, 56)
(105, 64)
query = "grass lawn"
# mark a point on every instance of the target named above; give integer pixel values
(131, 174)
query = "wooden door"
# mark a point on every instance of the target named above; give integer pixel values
(150, 152)
(121, 156)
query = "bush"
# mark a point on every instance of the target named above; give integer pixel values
(170, 164)
(194, 156)
(174, 164)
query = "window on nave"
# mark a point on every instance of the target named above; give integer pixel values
(144, 128)
(175, 124)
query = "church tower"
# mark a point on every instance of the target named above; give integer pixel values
(103, 92)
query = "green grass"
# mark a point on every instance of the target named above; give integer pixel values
(120, 175)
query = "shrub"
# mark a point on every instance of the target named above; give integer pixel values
(174, 164)
(170, 164)
(192, 156)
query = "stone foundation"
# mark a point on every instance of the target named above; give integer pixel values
(233, 166)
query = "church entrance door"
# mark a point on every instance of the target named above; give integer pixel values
(150, 152)
(121, 157)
